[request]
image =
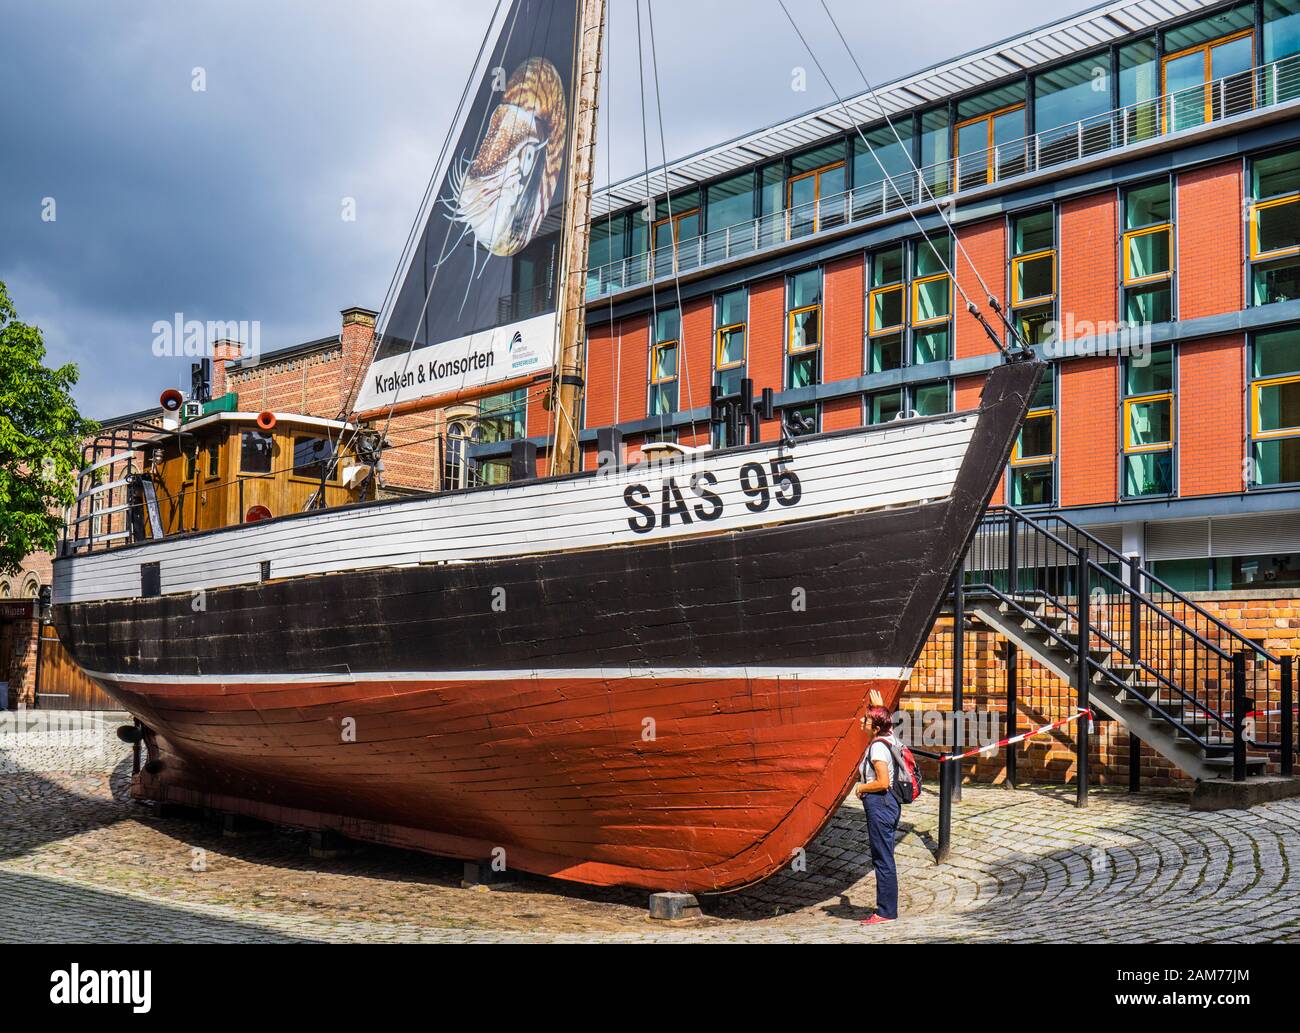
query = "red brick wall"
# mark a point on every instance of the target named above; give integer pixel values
(767, 342)
(1211, 416)
(1089, 431)
(986, 243)
(1210, 248)
(697, 356)
(632, 370)
(601, 384)
(1089, 262)
(845, 315)
(307, 384)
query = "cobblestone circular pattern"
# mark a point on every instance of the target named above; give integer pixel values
(79, 861)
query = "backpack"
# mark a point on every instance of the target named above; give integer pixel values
(906, 785)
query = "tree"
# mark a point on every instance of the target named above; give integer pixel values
(40, 441)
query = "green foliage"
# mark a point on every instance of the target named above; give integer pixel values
(40, 441)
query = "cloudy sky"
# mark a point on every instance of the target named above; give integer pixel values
(226, 203)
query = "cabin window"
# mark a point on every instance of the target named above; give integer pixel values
(191, 464)
(214, 461)
(255, 452)
(1275, 408)
(1033, 274)
(1033, 459)
(664, 364)
(1275, 228)
(312, 457)
(1148, 250)
(1148, 423)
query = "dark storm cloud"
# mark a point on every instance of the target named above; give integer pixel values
(226, 204)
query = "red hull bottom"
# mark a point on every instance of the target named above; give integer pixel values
(695, 783)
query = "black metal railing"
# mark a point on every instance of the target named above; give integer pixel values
(1129, 630)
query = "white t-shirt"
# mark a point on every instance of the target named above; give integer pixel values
(877, 751)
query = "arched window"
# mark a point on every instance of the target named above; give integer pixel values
(453, 465)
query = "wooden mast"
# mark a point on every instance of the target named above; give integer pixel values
(567, 386)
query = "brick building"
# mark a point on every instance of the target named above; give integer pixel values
(1126, 182)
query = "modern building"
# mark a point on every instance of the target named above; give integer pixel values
(1125, 182)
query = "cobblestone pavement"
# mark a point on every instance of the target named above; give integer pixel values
(78, 861)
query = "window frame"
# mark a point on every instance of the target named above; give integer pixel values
(1256, 389)
(990, 161)
(1018, 460)
(883, 331)
(1017, 261)
(816, 176)
(1164, 446)
(1258, 206)
(916, 290)
(1256, 386)
(1207, 88)
(789, 335)
(657, 382)
(271, 454)
(1145, 231)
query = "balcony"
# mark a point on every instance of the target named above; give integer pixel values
(1267, 86)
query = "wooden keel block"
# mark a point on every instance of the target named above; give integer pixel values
(673, 907)
(482, 875)
(236, 826)
(330, 846)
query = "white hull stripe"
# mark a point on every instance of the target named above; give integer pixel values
(574, 674)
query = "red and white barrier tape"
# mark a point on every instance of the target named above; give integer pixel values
(1013, 740)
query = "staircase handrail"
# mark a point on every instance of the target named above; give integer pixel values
(1146, 573)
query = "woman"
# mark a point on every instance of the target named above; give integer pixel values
(883, 809)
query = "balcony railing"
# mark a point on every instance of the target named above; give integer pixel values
(1201, 105)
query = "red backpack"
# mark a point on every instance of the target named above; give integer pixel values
(906, 785)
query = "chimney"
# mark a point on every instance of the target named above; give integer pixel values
(223, 352)
(358, 339)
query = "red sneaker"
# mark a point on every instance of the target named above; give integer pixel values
(876, 920)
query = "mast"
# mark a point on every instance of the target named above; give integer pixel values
(568, 385)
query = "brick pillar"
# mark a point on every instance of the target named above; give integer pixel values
(222, 353)
(22, 665)
(358, 339)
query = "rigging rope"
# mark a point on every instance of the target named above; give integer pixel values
(971, 307)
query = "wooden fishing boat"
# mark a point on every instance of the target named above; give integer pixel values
(645, 675)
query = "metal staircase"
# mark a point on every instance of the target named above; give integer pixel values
(1193, 688)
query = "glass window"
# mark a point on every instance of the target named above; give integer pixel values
(1033, 274)
(255, 451)
(1072, 110)
(883, 156)
(1275, 228)
(886, 353)
(1275, 407)
(1272, 570)
(1139, 90)
(804, 329)
(1148, 253)
(731, 318)
(932, 399)
(663, 362)
(989, 138)
(503, 418)
(931, 300)
(931, 346)
(731, 202)
(935, 151)
(312, 456)
(1033, 458)
(884, 406)
(1148, 415)
(214, 460)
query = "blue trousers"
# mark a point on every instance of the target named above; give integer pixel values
(883, 812)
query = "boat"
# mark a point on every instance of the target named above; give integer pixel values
(647, 674)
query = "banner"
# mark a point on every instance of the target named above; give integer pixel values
(478, 302)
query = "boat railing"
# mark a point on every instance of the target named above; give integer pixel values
(1179, 111)
(99, 517)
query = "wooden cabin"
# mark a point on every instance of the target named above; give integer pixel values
(228, 468)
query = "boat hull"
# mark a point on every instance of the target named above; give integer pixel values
(676, 714)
